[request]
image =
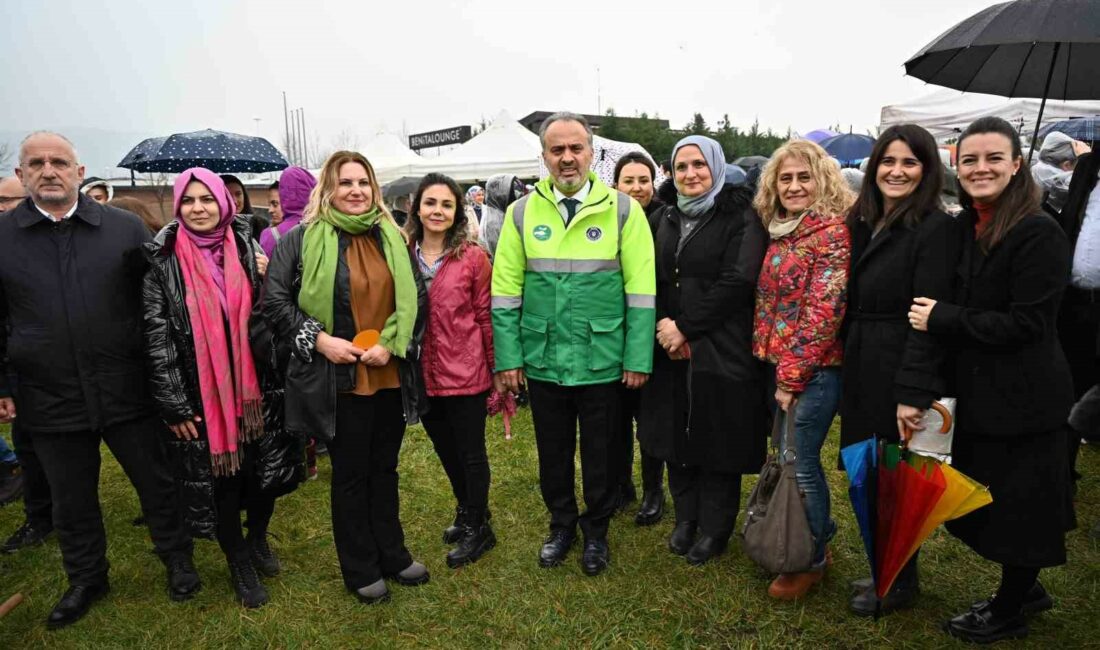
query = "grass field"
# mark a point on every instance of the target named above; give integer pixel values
(648, 598)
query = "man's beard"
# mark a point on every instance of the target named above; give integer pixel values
(567, 187)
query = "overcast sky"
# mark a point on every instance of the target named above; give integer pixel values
(408, 66)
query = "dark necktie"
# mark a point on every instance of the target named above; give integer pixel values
(570, 209)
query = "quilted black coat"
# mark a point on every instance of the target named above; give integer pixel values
(276, 461)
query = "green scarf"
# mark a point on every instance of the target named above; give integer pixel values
(320, 249)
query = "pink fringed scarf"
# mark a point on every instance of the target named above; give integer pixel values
(229, 388)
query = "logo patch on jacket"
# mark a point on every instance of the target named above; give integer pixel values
(541, 232)
(593, 233)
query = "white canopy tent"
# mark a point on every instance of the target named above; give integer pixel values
(506, 147)
(945, 113)
(389, 156)
(606, 154)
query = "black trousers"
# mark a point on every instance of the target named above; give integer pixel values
(653, 468)
(37, 502)
(71, 461)
(365, 525)
(556, 411)
(233, 494)
(705, 496)
(456, 427)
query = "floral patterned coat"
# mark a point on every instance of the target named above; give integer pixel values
(801, 298)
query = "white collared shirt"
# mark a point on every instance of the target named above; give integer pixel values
(1086, 255)
(580, 196)
(49, 216)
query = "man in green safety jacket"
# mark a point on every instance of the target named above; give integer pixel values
(573, 315)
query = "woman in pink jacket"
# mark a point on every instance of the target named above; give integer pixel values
(457, 356)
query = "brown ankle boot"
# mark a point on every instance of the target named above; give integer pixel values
(792, 586)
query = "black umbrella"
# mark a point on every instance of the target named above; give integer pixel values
(403, 185)
(1026, 48)
(218, 151)
(748, 162)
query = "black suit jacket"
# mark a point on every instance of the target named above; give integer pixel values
(1011, 376)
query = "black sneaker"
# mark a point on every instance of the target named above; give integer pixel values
(183, 579)
(250, 591)
(263, 558)
(26, 535)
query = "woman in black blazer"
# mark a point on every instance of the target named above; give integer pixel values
(1011, 378)
(903, 246)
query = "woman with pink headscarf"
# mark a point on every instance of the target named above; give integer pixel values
(213, 382)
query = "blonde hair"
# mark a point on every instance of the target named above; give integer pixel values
(832, 194)
(320, 198)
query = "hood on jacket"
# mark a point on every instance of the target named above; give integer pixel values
(667, 192)
(95, 181)
(295, 186)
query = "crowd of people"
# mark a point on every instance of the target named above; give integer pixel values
(209, 351)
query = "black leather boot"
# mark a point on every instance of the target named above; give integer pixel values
(652, 508)
(477, 541)
(263, 558)
(706, 548)
(250, 591)
(682, 538)
(454, 532)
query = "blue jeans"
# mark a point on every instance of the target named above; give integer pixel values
(813, 414)
(6, 454)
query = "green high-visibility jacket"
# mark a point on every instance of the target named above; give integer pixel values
(574, 305)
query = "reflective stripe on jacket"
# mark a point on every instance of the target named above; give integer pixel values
(574, 305)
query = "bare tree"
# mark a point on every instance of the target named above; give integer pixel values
(7, 154)
(345, 140)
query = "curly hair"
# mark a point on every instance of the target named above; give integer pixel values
(321, 196)
(832, 196)
(459, 232)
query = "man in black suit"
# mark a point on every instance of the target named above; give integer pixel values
(70, 331)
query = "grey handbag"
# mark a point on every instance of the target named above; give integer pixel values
(776, 533)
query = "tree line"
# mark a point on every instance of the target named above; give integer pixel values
(659, 141)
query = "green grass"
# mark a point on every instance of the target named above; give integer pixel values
(648, 598)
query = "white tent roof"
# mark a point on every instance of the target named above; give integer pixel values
(945, 113)
(605, 155)
(389, 156)
(506, 147)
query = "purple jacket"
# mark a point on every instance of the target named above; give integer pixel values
(295, 184)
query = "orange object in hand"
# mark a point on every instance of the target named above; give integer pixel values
(366, 339)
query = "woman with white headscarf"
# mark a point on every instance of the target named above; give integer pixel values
(1053, 171)
(501, 191)
(703, 408)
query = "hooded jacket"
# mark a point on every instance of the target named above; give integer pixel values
(277, 460)
(295, 185)
(801, 298)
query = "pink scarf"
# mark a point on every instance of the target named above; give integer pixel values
(217, 292)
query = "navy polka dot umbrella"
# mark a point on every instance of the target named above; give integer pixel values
(218, 151)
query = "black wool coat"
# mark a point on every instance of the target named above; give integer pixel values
(1010, 374)
(274, 464)
(708, 411)
(887, 362)
(70, 317)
